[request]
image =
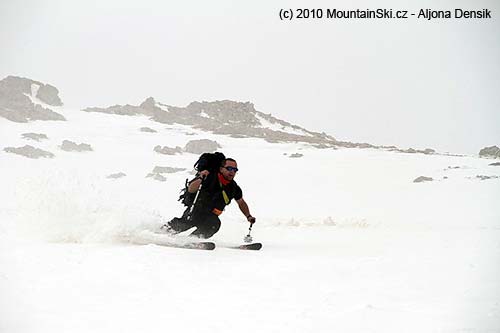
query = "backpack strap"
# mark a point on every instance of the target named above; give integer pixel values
(224, 194)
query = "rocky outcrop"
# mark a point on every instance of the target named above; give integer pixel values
(157, 172)
(160, 169)
(123, 110)
(422, 179)
(29, 151)
(490, 152)
(201, 146)
(427, 151)
(34, 136)
(495, 164)
(167, 150)
(149, 104)
(116, 175)
(21, 99)
(72, 146)
(147, 130)
(46, 93)
(49, 95)
(157, 176)
(235, 119)
(483, 177)
(296, 155)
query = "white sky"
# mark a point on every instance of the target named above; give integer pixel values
(412, 83)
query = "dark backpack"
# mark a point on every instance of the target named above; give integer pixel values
(207, 161)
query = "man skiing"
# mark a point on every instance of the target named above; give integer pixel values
(217, 190)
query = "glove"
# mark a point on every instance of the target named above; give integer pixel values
(251, 219)
(203, 174)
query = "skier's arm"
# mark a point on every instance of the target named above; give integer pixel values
(245, 210)
(195, 183)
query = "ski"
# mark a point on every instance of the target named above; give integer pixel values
(161, 239)
(252, 246)
(191, 245)
(147, 237)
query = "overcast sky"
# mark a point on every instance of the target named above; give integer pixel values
(411, 83)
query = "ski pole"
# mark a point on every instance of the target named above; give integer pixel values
(248, 238)
(191, 209)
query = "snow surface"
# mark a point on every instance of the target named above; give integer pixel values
(34, 89)
(281, 128)
(162, 106)
(351, 244)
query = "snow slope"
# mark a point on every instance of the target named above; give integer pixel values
(351, 244)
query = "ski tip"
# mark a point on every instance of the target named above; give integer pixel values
(209, 246)
(253, 246)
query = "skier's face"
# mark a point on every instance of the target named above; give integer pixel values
(229, 169)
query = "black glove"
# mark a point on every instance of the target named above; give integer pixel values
(251, 219)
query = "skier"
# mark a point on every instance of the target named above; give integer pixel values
(217, 191)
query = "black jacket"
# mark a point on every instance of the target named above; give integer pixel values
(211, 195)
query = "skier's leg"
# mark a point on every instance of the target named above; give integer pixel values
(207, 226)
(179, 224)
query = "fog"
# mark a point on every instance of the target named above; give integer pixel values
(411, 83)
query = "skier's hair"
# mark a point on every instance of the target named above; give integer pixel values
(227, 159)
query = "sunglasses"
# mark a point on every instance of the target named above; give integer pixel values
(230, 168)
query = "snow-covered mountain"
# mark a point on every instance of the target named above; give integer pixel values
(354, 239)
(23, 99)
(236, 119)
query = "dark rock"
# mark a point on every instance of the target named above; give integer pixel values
(482, 177)
(29, 151)
(16, 103)
(71, 146)
(493, 152)
(49, 95)
(422, 179)
(147, 129)
(159, 169)
(201, 146)
(116, 175)
(427, 151)
(167, 150)
(156, 176)
(34, 136)
(148, 104)
(125, 110)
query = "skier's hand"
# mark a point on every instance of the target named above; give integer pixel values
(251, 219)
(203, 174)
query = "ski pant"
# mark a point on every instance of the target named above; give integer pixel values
(206, 223)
